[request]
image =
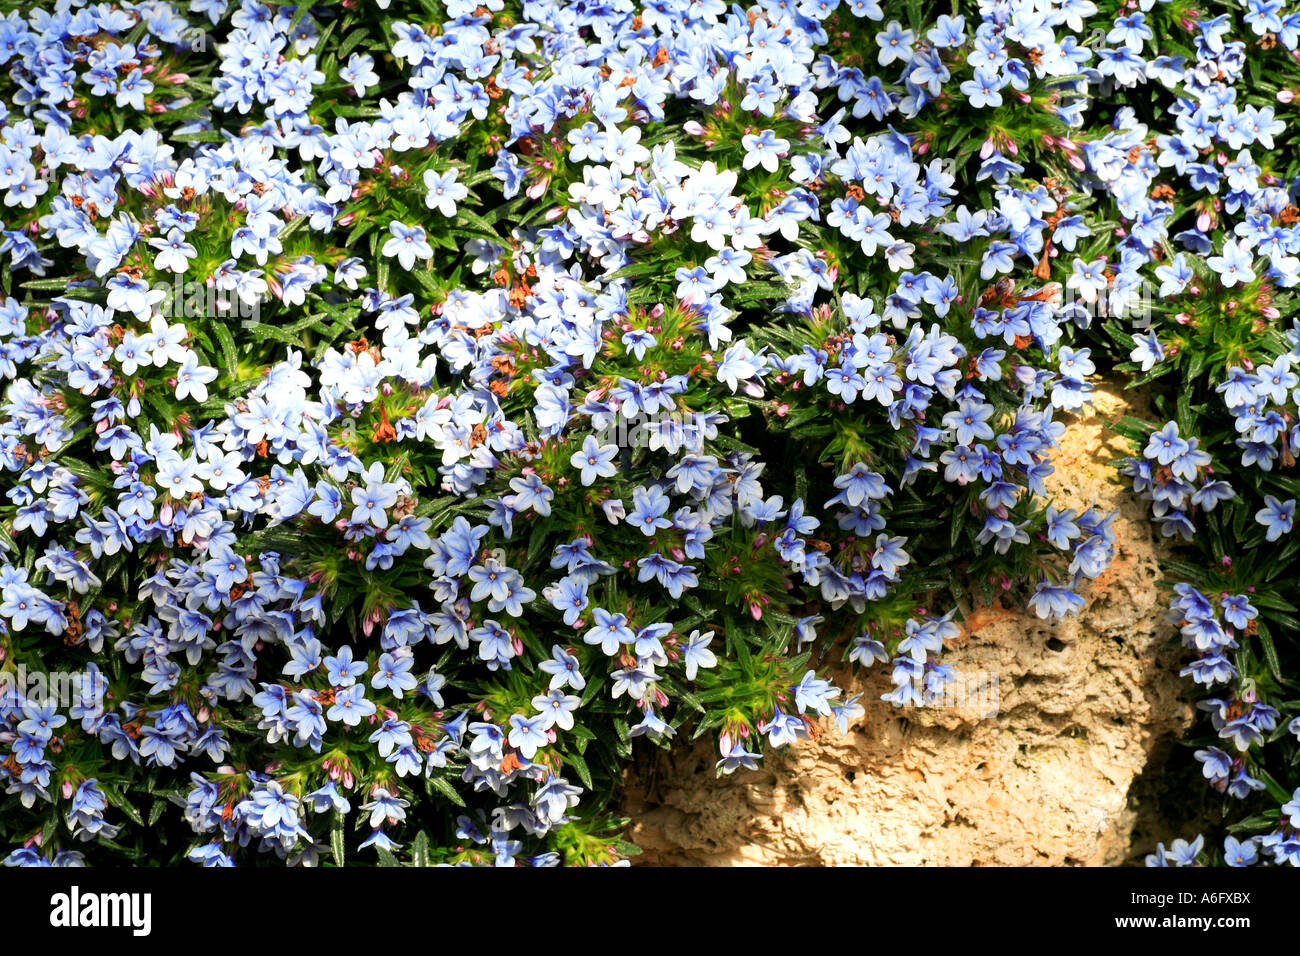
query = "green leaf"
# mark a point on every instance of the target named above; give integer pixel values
(229, 353)
(467, 217)
(733, 444)
(360, 112)
(1272, 601)
(336, 837)
(594, 683)
(363, 225)
(199, 136)
(116, 798)
(686, 697)
(443, 786)
(46, 285)
(624, 747)
(353, 40)
(1275, 789)
(420, 849)
(580, 765)
(1270, 652)
(262, 330)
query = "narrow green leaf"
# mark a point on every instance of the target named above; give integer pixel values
(336, 837)
(229, 353)
(117, 799)
(420, 849)
(580, 765)
(443, 786)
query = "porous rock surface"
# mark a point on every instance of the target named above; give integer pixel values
(1084, 707)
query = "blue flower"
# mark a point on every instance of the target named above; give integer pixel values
(527, 734)
(1237, 610)
(649, 505)
(983, 89)
(350, 706)
(563, 668)
(1292, 809)
(1277, 516)
(815, 694)
(1165, 444)
(342, 670)
(443, 192)
(763, 149)
(738, 757)
(407, 244)
(608, 630)
(1234, 265)
(1050, 600)
(594, 460)
(1182, 853)
(1240, 853)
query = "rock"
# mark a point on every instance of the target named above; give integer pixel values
(1084, 707)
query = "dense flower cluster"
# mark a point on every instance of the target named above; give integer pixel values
(408, 409)
(1216, 471)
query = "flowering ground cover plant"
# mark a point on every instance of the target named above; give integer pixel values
(408, 406)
